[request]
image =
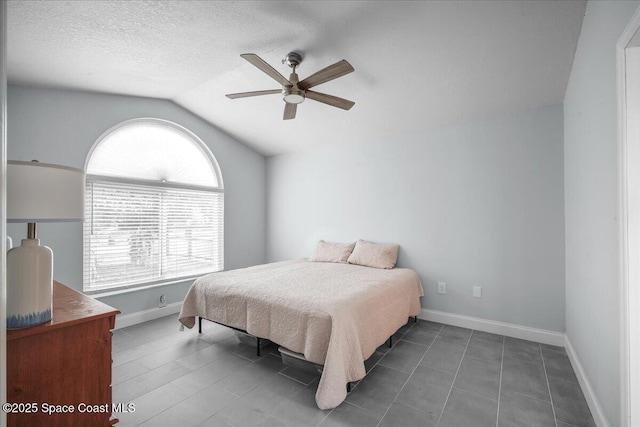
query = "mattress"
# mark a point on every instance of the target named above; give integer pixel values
(334, 314)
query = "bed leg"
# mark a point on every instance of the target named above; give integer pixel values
(199, 325)
(391, 341)
(348, 387)
(258, 346)
(415, 319)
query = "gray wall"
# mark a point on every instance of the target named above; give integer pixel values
(591, 197)
(479, 203)
(58, 126)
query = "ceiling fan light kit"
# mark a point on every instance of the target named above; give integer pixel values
(293, 91)
(293, 96)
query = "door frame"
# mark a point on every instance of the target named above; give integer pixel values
(628, 66)
(3, 216)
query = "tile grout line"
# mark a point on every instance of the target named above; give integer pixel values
(182, 342)
(174, 360)
(527, 395)
(210, 385)
(449, 373)
(271, 413)
(546, 377)
(482, 360)
(354, 387)
(293, 379)
(374, 365)
(180, 401)
(162, 384)
(247, 392)
(500, 386)
(405, 404)
(379, 360)
(409, 377)
(366, 373)
(455, 377)
(165, 409)
(130, 336)
(319, 422)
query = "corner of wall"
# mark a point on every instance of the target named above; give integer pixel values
(587, 388)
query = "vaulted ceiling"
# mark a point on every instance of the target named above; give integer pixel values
(417, 64)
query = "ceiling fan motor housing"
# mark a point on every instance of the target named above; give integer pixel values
(293, 59)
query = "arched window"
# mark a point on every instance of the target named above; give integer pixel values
(154, 207)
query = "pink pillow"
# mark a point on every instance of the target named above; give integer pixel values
(332, 252)
(378, 255)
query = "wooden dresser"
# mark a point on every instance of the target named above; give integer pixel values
(65, 362)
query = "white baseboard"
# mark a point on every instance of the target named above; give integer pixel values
(592, 400)
(124, 320)
(494, 327)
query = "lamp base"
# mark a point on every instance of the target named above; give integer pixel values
(29, 285)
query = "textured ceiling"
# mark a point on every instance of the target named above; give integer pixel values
(418, 64)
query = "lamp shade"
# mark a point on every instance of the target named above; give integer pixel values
(41, 192)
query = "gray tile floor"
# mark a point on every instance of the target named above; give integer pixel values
(435, 375)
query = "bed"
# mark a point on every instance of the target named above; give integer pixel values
(335, 314)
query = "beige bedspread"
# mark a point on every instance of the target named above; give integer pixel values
(334, 314)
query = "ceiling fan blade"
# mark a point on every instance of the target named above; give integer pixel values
(331, 72)
(258, 62)
(334, 101)
(289, 111)
(254, 93)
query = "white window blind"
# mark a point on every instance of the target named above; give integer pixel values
(141, 229)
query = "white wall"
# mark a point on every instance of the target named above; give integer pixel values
(591, 185)
(58, 126)
(479, 203)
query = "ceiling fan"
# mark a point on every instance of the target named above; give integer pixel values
(294, 91)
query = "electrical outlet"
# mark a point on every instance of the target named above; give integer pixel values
(163, 301)
(477, 291)
(442, 287)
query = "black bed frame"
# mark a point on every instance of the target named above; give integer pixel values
(235, 329)
(415, 320)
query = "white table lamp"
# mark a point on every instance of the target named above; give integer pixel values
(37, 192)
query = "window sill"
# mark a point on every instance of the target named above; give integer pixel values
(130, 289)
